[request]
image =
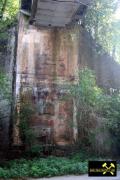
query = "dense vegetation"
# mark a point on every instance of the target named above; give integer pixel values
(105, 29)
(39, 167)
(4, 86)
(8, 12)
(93, 106)
(46, 167)
(5, 92)
(8, 16)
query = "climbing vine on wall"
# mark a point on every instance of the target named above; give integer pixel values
(4, 86)
(25, 115)
(5, 92)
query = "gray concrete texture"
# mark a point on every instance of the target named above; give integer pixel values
(57, 13)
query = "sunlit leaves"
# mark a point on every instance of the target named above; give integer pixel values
(100, 23)
(85, 91)
(8, 13)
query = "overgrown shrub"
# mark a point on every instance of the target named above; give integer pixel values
(47, 167)
(95, 107)
(8, 13)
(51, 166)
(86, 95)
(112, 114)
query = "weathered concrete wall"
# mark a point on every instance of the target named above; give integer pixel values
(47, 58)
(7, 52)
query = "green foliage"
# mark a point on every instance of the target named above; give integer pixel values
(82, 156)
(51, 166)
(8, 18)
(25, 115)
(111, 111)
(92, 105)
(47, 167)
(4, 85)
(8, 12)
(115, 40)
(86, 95)
(86, 92)
(100, 22)
(34, 151)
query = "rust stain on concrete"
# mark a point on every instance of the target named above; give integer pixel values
(45, 60)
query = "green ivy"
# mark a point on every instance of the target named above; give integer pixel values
(25, 115)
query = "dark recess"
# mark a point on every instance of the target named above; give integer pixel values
(26, 5)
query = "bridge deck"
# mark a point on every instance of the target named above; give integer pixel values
(57, 12)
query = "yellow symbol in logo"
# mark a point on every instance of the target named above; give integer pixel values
(108, 169)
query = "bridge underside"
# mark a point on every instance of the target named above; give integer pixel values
(57, 13)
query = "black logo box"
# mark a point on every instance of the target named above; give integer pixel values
(99, 165)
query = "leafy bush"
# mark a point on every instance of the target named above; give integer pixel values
(86, 95)
(93, 105)
(8, 12)
(8, 18)
(111, 111)
(51, 166)
(86, 91)
(47, 167)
